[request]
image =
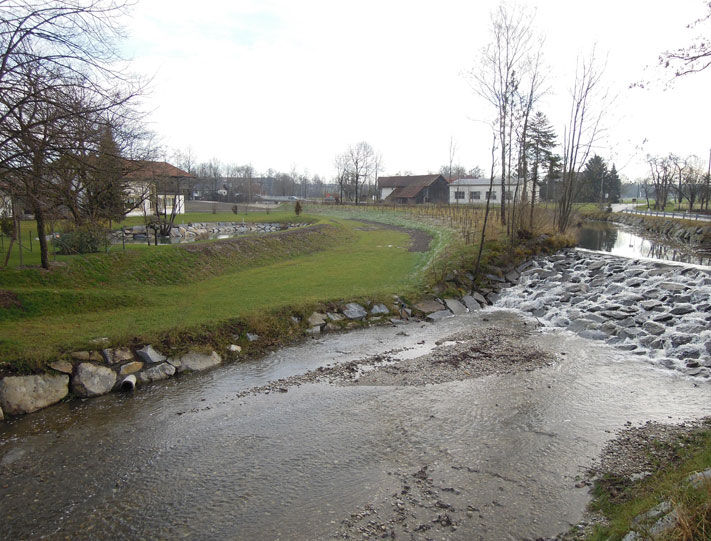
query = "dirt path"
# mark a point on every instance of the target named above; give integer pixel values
(419, 240)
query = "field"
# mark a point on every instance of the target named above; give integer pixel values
(146, 292)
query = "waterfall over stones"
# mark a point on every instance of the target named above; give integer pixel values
(658, 311)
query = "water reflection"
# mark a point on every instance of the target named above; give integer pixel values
(627, 243)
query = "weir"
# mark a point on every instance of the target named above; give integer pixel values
(656, 311)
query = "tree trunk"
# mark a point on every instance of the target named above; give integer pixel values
(44, 251)
(486, 212)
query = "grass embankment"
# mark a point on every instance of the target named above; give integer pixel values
(30, 243)
(624, 502)
(172, 291)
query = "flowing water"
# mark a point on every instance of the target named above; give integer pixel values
(188, 458)
(627, 242)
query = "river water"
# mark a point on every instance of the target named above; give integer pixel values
(188, 458)
(626, 242)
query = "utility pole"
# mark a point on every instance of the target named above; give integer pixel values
(602, 180)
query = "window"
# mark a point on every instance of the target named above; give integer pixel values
(509, 195)
(493, 196)
(474, 196)
(458, 195)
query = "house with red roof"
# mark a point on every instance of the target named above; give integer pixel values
(156, 185)
(413, 189)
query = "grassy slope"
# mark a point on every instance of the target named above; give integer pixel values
(117, 295)
(620, 503)
(29, 231)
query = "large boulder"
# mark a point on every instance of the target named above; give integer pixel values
(130, 368)
(194, 361)
(478, 297)
(63, 366)
(470, 303)
(156, 373)
(117, 355)
(149, 355)
(442, 314)
(379, 309)
(353, 310)
(93, 380)
(455, 306)
(428, 306)
(317, 319)
(25, 394)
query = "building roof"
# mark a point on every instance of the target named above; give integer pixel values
(421, 181)
(406, 192)
(149, 170)
(471, 181)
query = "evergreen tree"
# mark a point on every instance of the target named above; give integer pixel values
(613, 186)
(105, 190)
(541, 141)
(548, 189)
(592, 180)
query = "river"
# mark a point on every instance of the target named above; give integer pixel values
(627, 242)
(188, 458)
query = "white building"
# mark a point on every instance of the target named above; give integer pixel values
(156, 187)
(472, 191)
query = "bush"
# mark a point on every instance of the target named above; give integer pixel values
(297, 208)
(83, 240)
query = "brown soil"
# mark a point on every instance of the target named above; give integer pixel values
(419, 240)
(8, 299)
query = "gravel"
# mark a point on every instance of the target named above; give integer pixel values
(478, 352)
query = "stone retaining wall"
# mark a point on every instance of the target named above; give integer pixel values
(685, 231)
(203, 230)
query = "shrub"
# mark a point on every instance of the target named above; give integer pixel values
(297, 208)
(83, 240)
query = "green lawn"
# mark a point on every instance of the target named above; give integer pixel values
(30, 243)
(146, 292)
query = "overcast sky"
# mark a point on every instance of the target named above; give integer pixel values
(289, 84)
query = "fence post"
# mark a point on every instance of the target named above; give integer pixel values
(29, 234)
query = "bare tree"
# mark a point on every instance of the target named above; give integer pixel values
(455, 171)
(527, 98)
(505, 63)
(488, 202)
(693, 58)
(682, 166)
(57, 69)
(341, 163)
(359, 161)
(185, 160)
(580, 134)
(694, 181)
(662, 170)
(452, 153)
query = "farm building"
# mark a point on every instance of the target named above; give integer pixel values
(471, 191)
(413, 189)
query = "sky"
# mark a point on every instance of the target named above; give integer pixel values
(289, 85)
